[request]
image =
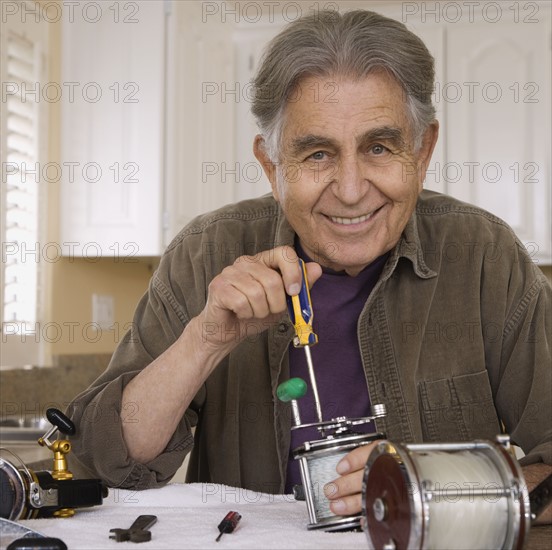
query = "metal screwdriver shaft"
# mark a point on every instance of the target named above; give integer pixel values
(301, 314)
(313, 384)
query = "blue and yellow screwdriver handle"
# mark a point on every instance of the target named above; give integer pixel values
(301, 314)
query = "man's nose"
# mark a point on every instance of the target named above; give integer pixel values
(350, 184)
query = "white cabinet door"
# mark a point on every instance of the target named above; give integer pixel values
(497, 99)
(434, 37)
(201, 96)
(252, 181)
(112, 130)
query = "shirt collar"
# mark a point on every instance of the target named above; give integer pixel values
(410, 247)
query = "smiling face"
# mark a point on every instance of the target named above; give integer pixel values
(348, 176)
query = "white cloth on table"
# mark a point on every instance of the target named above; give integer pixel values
(188, 516)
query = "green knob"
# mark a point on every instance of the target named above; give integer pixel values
(294, 388)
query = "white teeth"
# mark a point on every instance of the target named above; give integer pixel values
(350, 221)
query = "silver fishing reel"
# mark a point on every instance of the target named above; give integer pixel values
(454, 495)
(318, 459)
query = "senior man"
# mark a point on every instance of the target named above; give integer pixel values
(347, 130)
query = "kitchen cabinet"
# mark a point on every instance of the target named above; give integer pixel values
(112, 138)
(193, 142)
(498, 123)
(158, 148)
(201, 121)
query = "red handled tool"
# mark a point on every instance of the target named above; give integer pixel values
(228, 524)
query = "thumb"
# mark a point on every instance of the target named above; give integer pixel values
(314, 272)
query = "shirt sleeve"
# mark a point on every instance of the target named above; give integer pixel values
(523, 398)
(98, 444)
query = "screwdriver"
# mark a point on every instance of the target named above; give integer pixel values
(301, 315)
(228, 524)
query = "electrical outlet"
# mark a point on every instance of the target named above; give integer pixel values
(103, 311)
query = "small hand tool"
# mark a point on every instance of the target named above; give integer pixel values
(228, 524)
(137, 532)
(301, 315)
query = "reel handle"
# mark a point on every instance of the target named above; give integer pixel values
(60, 421)
(290, 391)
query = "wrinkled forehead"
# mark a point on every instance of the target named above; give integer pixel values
(321, 102)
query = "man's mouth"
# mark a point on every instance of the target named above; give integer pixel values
(350, 221)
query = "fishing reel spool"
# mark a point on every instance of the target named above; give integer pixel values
(26, 494)
(318, 459)
(451, 495)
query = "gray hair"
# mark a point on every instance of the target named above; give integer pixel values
(352, 44)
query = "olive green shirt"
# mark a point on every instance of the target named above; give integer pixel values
(454, 340)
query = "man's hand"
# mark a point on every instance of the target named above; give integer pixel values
(252, 290)
(344, 493)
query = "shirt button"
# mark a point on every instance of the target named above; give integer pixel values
(282, 327)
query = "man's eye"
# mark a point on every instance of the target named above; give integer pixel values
(378, 149)
(319, 155)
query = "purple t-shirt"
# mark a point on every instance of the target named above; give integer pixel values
(337, 301)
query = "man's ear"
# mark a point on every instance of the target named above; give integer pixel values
(269, 167)
(428, 145)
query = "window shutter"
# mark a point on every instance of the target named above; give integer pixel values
(23, 130)
(21, 248)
